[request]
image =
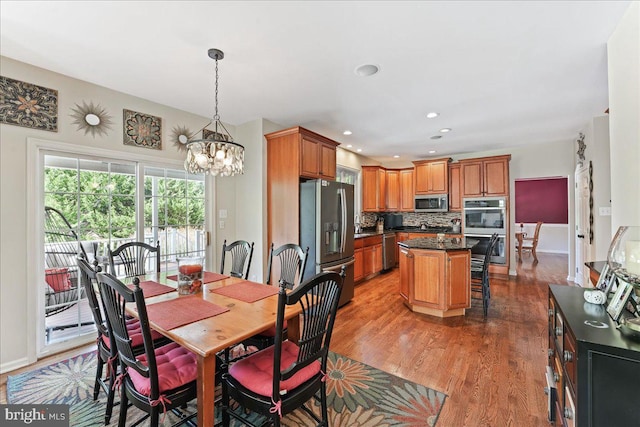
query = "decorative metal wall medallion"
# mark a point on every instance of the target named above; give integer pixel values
(91, 118)
(28, 105)
(581, 146)
(142, 130)
(180, 137)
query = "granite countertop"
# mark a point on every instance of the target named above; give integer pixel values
(431, 243)
(366, 232)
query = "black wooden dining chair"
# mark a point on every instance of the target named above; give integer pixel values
(158, 380)
(480, 275)
(134, 258)
(285, 376)
(292, 260)
(241, 253)
(107, 352)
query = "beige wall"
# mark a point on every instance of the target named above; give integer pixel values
(623, 51)
(18, 299)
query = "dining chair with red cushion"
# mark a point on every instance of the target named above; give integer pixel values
(107, 352)
(159, 379)
(285, 376)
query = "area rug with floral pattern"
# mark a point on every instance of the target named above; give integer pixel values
(357, 395)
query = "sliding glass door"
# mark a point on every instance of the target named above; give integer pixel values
(100, 204)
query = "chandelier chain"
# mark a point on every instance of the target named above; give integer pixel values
(216, 116)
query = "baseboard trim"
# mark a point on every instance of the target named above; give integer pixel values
(13, 365)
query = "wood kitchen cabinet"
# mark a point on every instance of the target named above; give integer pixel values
(487, 176)
(407, 191)
(372, 255)
(436, 282)
(455, 190)
(317, 156)
(373, 189)
(358, 255)
(392, 178)
(293, 154)
(431, 176)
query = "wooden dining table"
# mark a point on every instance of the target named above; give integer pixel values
(209, 336)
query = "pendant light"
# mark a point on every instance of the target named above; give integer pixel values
(218, 154)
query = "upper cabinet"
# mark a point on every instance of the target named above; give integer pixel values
(455, 188)
(487, 176)
(407, 192)
(393, 190)
(292, 154)
(387, 189)
(373, 189)
(432, 176)
(317, 156)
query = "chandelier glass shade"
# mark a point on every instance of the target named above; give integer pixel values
(217, 153)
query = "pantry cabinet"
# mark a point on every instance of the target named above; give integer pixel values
(407, 191)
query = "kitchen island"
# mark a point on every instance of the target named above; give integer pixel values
(435, 277)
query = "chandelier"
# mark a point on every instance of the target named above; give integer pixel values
(215, 153)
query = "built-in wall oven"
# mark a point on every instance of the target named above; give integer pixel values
(482, 217)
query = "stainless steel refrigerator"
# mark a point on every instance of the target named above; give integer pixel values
(326, 227)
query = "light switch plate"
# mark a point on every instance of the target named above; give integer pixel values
(221, 224)
(604, 211)
(222, 214)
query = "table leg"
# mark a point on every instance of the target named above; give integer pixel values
(293, 329)
(206, 390)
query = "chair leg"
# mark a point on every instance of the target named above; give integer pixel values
(154, 421)
(96, 387)
(225, 403)
(323, 404)
(110, 397)
(124, 405)
(535, 256)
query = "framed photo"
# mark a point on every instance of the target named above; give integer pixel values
(619, 300)
(606, 280)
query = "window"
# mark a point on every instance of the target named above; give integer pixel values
(351, 176)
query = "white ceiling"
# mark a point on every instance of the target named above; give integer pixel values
(500, 74)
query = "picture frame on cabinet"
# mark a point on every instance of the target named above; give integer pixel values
(619, 300)
(606, 280)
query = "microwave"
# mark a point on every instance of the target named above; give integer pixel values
(431, 203)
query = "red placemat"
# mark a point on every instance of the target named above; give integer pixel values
(246, 291)
(182, 311)
(152, 289)
(207, 277)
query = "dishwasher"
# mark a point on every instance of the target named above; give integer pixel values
(388, 250)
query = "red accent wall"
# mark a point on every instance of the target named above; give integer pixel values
(544, 199)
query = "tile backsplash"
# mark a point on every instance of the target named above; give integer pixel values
(411, 219)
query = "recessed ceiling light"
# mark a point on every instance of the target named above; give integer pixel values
(436, 137)
(432, 151)
(445, 130)
(347, 132)
(349, 146)
(396, 156)
(367, 70)
(432, 115)
(359, 150)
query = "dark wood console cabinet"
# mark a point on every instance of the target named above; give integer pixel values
(593, 373)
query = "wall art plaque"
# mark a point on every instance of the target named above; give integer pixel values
(142, 130)
(28, 105)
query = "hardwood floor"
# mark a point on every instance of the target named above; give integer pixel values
(492, 370)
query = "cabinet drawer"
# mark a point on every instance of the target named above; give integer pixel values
(569, 357)
(358, 243)
(372, 240)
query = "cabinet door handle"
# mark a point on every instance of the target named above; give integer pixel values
(567, 356)
(568, 414)
(580, 236)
